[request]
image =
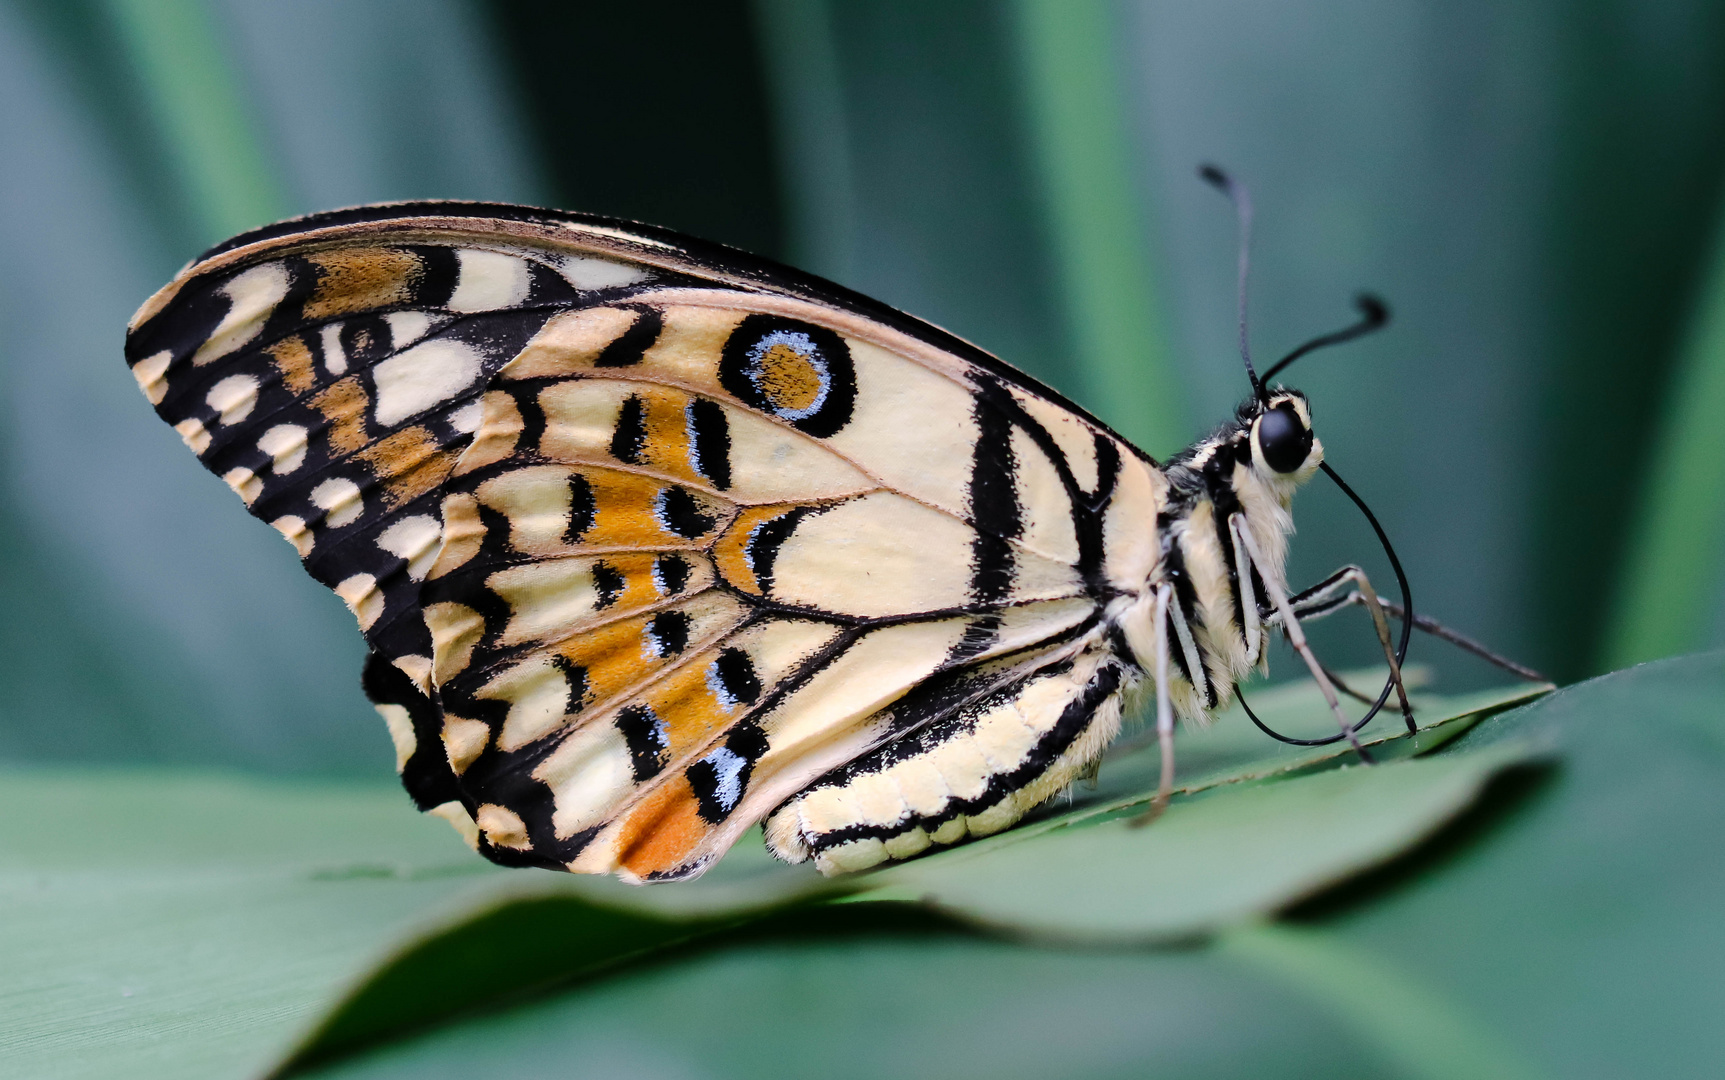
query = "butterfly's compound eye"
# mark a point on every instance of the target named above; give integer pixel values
(1284, 438)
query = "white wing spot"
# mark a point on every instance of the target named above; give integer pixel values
(463, 740)
(414, 539)
(193, 434)
(252, 296)
(406, 327)
(503, 827)
(233, 398)
(400, 725)
(245, 484)
(151, 374)
(285, 444)
(458, 817)
(468, 418)
(587, 273)
(334, 356)
(360, 594)
(424, 376)
(293, 528)
(340, 501)
(488, 280)
(417, 668)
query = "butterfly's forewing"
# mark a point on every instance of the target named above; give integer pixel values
(650, 540)
(333, 387)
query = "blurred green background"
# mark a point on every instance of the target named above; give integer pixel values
(1534, 186)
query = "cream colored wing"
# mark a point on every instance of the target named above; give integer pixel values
(647, 535)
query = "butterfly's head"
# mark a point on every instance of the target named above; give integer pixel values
(1279, 432)
(1277, 422)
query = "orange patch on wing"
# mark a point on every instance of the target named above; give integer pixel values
(361, 279)
(554, 510)
(666, 447)
(689, 710)
(730, 553)
(788, 379)
(637, 572)
(614, 658)
(343, 405)
(620, 655)
(294, 361)
(626, 512)
(605, 421)
(411, 462)
(662, 830)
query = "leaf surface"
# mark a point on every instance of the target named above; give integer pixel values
(181, 924)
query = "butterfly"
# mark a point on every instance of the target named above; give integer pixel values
(653, 541)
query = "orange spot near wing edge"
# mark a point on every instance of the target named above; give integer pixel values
(660, 833)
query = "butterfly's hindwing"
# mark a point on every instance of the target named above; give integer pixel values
(588, 463)
(646, 548)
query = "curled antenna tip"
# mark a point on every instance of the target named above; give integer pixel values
(1237, 194)
(1372, 306)
(1374, 313)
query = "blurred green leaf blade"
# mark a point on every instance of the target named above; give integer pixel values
(1224, 858)
(251, 920)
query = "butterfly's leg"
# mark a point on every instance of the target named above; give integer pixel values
(1164, 710)
(1314, 603)
(1189, 649)
(1428, 625)
(1164, 705)
(1321, 595)
(1296, 636)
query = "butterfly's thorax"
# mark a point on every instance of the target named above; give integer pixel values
(1216, 481)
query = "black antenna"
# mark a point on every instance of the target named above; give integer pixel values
(1374, 315)
(1401, 646)
(1242, 200)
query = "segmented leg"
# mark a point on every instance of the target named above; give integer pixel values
(1296, 636)
(1164, 710)
(1317, 598)
(1317, 609)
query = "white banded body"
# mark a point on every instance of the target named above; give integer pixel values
(653, 541)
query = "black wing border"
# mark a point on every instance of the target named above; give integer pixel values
(700, 255)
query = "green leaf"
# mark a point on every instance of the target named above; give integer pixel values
(1568, 928)
(175, 924)
(1671, 576)
(1424, 1034)
(1582, 918)
(1231, 749)
(572, 928)
(1207, 862)
(162, 924)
